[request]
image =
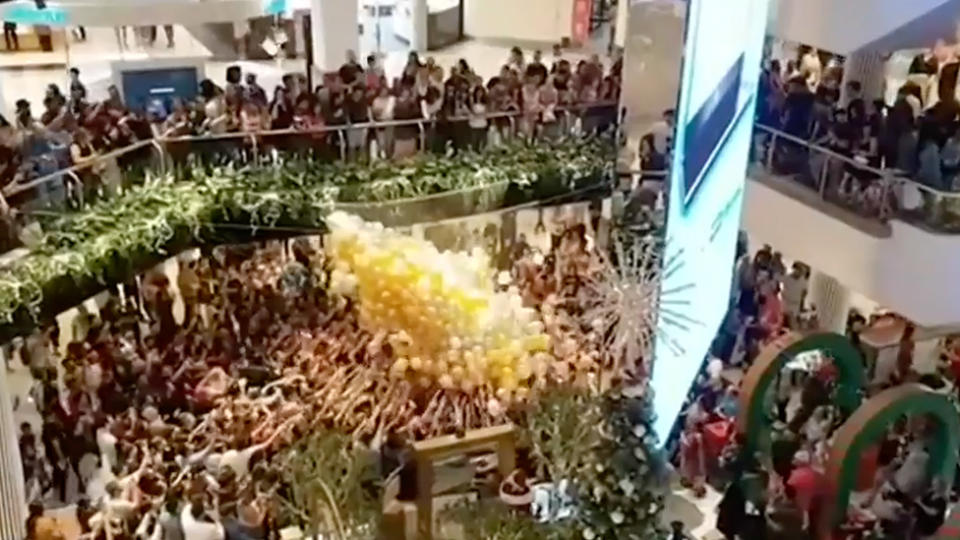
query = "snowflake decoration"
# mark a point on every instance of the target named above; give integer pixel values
(622, 302)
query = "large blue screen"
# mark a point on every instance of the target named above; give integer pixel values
(714, 122)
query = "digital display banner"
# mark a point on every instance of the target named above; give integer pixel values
(714, 124)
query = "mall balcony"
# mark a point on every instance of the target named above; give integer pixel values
(880, 234)
(875, 233)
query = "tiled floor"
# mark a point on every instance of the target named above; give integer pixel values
(698, 515)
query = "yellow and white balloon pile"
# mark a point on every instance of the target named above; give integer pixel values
(448, 325)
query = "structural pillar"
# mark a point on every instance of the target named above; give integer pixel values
(869, 69)
(12, 505)
(652, 33)
(334, 25)
(420, 12)
(832, 300)
(620, 26)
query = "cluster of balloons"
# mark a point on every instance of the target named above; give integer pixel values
(448, 324)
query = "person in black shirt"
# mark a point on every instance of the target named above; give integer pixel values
(797, 108)
(350, 71)
(254, 92)
(900, 122)
(77, 89)
(234, 75)
(876, 131)
(536, 68)
(731, 510)
(842, 137)
(856, 108)
(10, 36)
(336, 114)
(930, 511)
(281, 112)
(358, 113)
(413, 66)
(406, 136)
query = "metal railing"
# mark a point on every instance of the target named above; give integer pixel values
(107, 174)
(853, 184)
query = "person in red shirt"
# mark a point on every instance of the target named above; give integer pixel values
(805, 481)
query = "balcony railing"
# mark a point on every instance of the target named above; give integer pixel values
(845, 182)
(109, 173)
(850, 183)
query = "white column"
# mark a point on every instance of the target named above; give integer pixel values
(620, 27)
(12, 506)
(419, 13)
(334, 25)
(832, 300)
(869, 69)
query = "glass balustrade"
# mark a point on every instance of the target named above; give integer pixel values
(853, 184)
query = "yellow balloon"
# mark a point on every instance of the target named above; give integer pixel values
(416, 363)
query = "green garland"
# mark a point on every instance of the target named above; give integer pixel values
(108, 242)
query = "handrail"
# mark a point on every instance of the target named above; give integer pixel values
(158, 142)
(367, 125)
(883, 173)
(15, 189)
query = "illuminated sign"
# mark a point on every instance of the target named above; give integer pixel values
(28, 14)
(274, 7)
(714, 123)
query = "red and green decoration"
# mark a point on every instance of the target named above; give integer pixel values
(869, 424)
(754, 420)
(866, 422)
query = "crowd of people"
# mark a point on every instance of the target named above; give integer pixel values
(162, 414)
(916, 136)
(543, 100)
(778, 491)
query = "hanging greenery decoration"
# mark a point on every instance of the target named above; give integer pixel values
(80, 252)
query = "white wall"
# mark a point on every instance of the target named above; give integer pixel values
(546, 21)
(334, 24)
(913, 272)
(842, 26)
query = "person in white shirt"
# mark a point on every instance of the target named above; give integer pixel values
(107, 444)
(811, 68)
(197, 525)
(478, 118)
(793, 293)
(517, 61)
(115, 511)
(557, 57)
(662, 132)
(381, 110)
(911, 477)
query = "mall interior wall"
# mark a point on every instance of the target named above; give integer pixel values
(909, 270)
(335, 30)
(845, 26)
(524, 21)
